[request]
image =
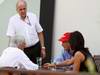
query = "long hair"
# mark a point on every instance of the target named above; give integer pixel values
(77, 41)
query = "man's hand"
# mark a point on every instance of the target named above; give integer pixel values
(43, 52)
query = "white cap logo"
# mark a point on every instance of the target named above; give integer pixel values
(1, 1)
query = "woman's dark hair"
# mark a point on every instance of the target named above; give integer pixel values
(77, 41)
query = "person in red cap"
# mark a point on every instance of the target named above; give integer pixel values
(64, 40)
(82, 59)
(64, 54)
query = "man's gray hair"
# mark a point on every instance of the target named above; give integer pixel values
(24, 1)
(16, 40)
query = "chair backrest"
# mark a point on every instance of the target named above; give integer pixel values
(97, 61)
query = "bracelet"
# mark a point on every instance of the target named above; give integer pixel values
(43, 47)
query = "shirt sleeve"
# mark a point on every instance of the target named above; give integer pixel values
(11, 29)
(26, 62)
(37, 25)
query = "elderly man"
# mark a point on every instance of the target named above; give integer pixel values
(26, 24)
(14, 56)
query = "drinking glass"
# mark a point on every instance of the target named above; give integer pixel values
(39, 61)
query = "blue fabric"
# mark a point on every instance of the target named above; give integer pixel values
(61, 57)
(66, 55)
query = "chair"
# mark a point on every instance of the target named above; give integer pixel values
(97, 61)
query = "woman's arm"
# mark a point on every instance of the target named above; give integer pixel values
(66, 62)
(76, 61)
(78, 58)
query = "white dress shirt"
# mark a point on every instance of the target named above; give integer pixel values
(28, 28)
(14, 57)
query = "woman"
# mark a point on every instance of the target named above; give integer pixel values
(82, 60)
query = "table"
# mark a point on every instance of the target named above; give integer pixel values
(12, 71)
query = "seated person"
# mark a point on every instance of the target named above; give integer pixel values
(60, 57)
(14, 56)
(82, 59)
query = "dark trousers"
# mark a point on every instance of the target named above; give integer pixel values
(33, 52)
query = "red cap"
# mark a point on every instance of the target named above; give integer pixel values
(65, 37)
